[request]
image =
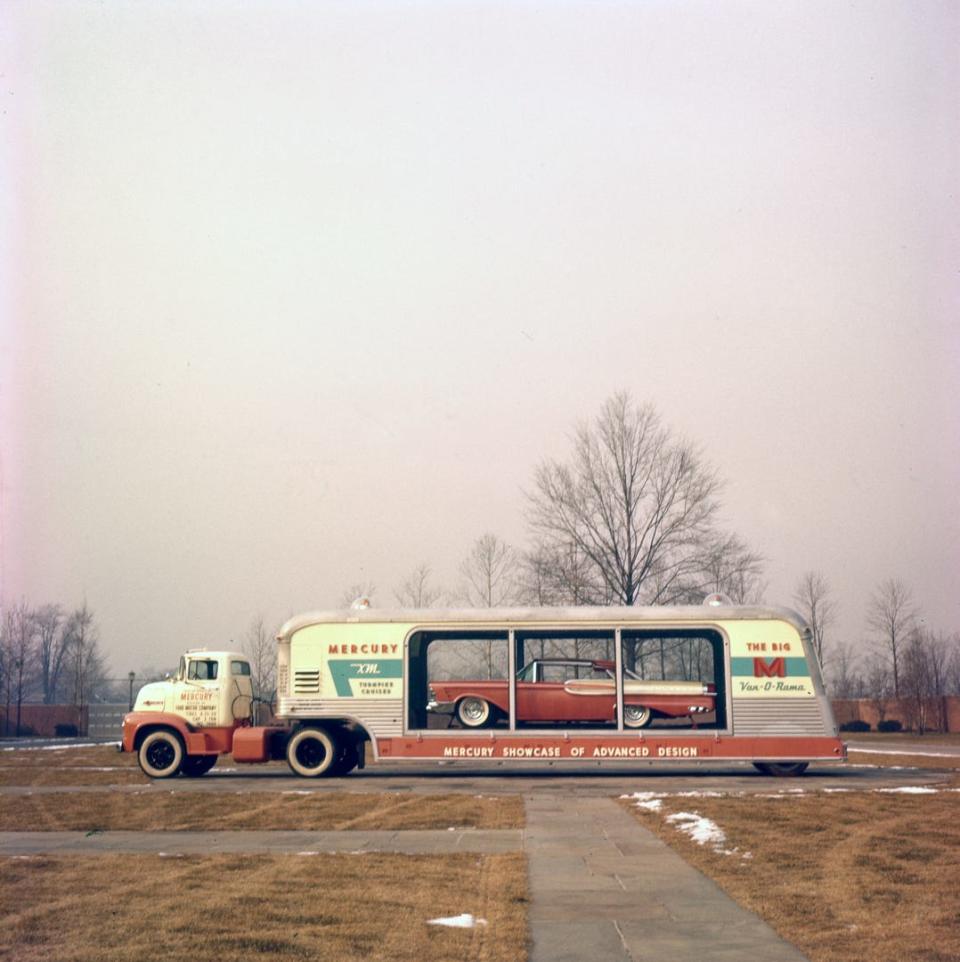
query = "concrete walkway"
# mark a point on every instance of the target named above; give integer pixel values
(604, 888)
(482, 841)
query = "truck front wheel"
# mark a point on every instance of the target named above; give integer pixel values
(196, 765)
(160, 754)
(313, 752)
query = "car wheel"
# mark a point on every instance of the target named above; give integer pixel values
(636, 716)
(194, 766)
(473, 712)
(781, 769)
(160, 754)
(312, 752)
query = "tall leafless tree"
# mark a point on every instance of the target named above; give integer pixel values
(732, 568)
(356, 591)
(260, 647)
(416, 591)
(892, 616)
(52, 644)
(19, 645)
(813, 598)
(491, 573)
(85, 660)
(844, 678)
(924, 680)
(637, 502)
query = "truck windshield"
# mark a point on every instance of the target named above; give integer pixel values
(202, 670)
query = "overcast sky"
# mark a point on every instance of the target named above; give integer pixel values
(297, 295)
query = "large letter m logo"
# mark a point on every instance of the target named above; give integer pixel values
(769, 668)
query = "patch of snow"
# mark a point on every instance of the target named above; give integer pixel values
(465, 921)
(651, 804)
(308, 853)
(909, 790)
(834, 791)
(59, 748)
(903, 751)
(295, 791)
(701, 830)
(170, 854)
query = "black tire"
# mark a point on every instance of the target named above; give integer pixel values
(474, 712)
(347, 760)
(313, 752)
(161, 754)
(194, 766)
(636, 716)
(781, 769)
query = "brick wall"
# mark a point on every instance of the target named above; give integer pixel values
(941, 714)
(43, 719)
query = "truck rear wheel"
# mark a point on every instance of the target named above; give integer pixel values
(160, 754)
(313, 752)
(196, 765)
(781, 769)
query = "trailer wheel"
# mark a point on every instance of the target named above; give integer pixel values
(312, 752)
(781, 769)
(473, 712)
(160, 754)
(196, 765)
(347, 760)
(636, 716)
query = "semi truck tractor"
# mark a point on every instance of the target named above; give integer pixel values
(747, 688)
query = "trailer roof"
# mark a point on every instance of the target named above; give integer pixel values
(633, 615)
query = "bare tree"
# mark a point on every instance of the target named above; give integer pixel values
(731, 568)
(892, 616)
(924, 680)
(637, 502)
(845, 680)
(359, 589)
(552, 575)
(491, 573)
(52, 644)
(416, 591)
(260, 647)
(880, 687)
(813, 597)
(19, 645)
(85, 660)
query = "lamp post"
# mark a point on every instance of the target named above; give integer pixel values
(131, 676)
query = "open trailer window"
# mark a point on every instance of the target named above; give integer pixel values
(674, 679)
(458, 680)
(566, 678)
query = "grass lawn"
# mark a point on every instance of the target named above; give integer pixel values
(334, 908)
(865, 875)
(153, 810)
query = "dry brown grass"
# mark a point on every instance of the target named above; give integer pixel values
(98, 765)
(152, 810)
(114, 908)
(905, 760)
(860, 875)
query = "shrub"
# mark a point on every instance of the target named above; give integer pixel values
(857, 725)
(890, 725)
(66, 730)
(25, 730)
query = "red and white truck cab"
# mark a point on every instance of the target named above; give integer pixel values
(182, 724)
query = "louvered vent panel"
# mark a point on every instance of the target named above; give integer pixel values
(306, 682)
(381, 717)
(779, 716)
